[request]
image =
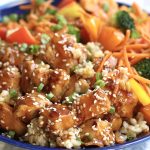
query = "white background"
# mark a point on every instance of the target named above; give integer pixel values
(145, 4)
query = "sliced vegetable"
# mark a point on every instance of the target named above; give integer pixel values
(3, 32)
(74, 31)
(23, 47)
(139, 91)
(72, 10)
(40, 87)
(56, 27)
(92, 25)
(13, 93)
(22, 35)
(33, 49)
(112, 110)
(61, 19)
(106, 7)
(135, 34)
(51, 11)
(11, 134)
(45, 38)
(39, 2)
(146, 112)
(110, 37)
(49, 96)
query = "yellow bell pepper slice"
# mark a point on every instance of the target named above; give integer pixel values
(139, 92)
(72, 11)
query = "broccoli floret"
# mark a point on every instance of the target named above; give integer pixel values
(143, 68)
(124, 21)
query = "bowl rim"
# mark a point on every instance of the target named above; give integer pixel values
(21, 144)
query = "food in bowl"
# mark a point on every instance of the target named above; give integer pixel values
(75, 75)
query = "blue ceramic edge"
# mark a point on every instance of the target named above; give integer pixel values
(34, 147)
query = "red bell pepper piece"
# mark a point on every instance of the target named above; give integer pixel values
(3, 31)
(22, 35)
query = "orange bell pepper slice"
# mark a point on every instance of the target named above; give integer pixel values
(110, 37)
(92, 25)
(22, 35)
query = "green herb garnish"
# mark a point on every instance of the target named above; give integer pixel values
(135, 34)
(33, 49)
(13, 93)
(49, 96)
(23, 47)
(61, 19)
(106, 7)
(11, 134)
(51, 11)
(45, 38)
(39, 2)
(56, 27)
(112, 110)
(74, 31)
(40, 87)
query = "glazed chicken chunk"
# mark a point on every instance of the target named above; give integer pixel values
(93, 104)
(28, 106)
(97, 132)
(34, 73)
(58, 83)
(9, 78)
(9, 121)
(57, 118)
(13, 57)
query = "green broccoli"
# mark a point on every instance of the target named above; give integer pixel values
(143, 68)
(124, 21)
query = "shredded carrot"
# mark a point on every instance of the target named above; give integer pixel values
(141, 55)
(25, 7)
(103, 61)
(128, 32)
(140, 79)
(127, 63)
(137, 9)
(135, 60)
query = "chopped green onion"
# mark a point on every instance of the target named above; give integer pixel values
(45, 38)
(99, 83)
(129, 138)
(23, 47)
(6, 19)
(40, 87)
(56, 27)
(106, 7)
(11, 134)
(74, 31)
(13, 17)
(89, 137)
(98, 76)
(51, 11)
(135, 34)
(13, 93)
(61, 20)
(33, 49)
(50, 95)
(112, 110)
(39, 2)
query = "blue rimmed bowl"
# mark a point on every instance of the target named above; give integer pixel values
(5, 10)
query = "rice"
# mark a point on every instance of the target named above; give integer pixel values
(35, 135)
(69, 138)
(4, 96)
(134, 126)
